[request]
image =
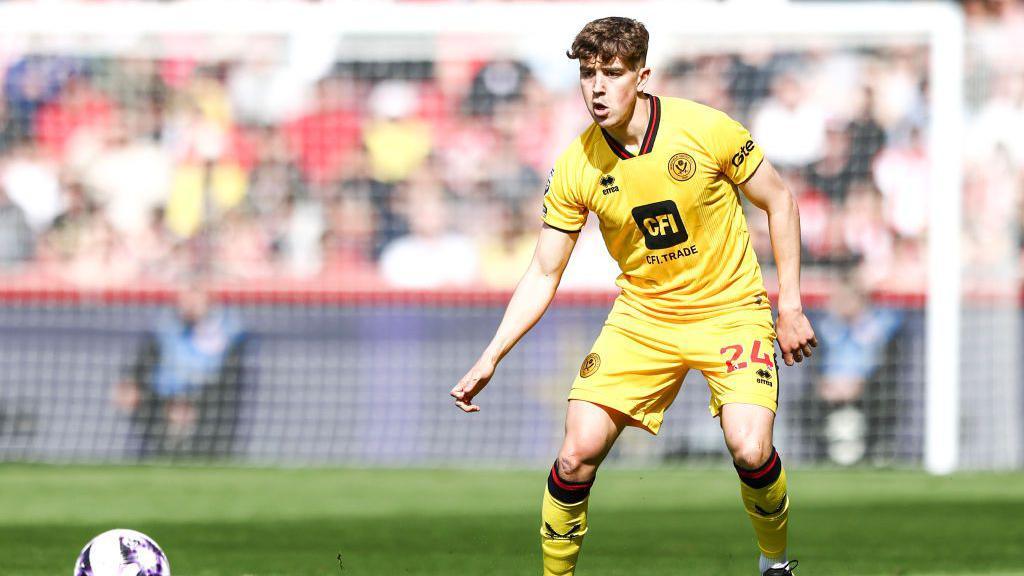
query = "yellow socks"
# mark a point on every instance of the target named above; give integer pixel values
(564, 523)
(767, 504)
(564, 515)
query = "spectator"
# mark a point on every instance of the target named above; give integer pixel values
(507, 249)
(254, 175)
(16, 241)
(60, 242)
(78, 111)
(790, 124)
(349, 243)
(7, 130)
(130, 177)
(496, 82)
(28, 84)
(866, 134)
(398, 142)
(865, 234)
(430, 256)
(209, 179)
(902, 175)
(854, 336)
(389, 221)
(276, 175)
(31, 181)
(833, 173)
(324, 137)
(184, 385)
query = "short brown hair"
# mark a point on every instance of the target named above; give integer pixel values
(605, 39)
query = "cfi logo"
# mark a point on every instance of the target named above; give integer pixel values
(740, 157)
(660, 224)
(590, 365)
(682, 167)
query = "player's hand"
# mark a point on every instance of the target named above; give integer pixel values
(471, 384)
(796, 337)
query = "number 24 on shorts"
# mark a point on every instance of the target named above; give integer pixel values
(736, 351)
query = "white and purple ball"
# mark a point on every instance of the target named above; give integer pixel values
(122, 552)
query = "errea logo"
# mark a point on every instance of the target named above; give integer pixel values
(608, 184)
(740, 157)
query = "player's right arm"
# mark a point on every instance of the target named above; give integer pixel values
(530, 300)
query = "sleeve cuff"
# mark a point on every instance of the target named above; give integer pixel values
(752, 171)
(561, 229)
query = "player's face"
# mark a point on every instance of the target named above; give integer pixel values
(610, 90)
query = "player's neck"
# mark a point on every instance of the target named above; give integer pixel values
(631, 133)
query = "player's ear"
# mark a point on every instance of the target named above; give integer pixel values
(642, 76)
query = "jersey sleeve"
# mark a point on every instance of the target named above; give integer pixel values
(734, 149)
(563, 209)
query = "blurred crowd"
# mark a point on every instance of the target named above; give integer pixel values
(428, 173)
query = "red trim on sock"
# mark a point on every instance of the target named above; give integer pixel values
(565, 485)
(754, 474)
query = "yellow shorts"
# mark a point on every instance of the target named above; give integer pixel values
(637, 364)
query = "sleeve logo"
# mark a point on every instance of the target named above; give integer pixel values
(740, 157)
(551, 176)
(682, 167)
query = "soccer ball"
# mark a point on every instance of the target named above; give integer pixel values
(122, 553)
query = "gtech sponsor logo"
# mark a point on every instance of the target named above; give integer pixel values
(740, 157)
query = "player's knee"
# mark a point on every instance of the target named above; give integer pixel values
(574, 465)
(751, 453)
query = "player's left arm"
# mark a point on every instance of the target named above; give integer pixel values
(767, 191)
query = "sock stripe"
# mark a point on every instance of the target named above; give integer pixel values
(565, 490)
(764, 475)
(568, 484)
(763, 469)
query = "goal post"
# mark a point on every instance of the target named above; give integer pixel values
(306, 39)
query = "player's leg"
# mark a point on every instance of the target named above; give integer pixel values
(590, 432)
(630, 377)
(748, 435)
(735, 353)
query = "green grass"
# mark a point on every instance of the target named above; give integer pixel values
(235, 521)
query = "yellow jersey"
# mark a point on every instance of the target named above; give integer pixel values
(670, 215)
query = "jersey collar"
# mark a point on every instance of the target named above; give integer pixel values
(654, 104)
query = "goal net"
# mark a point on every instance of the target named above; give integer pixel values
(283, 236)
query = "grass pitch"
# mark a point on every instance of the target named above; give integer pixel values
(239, 521)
